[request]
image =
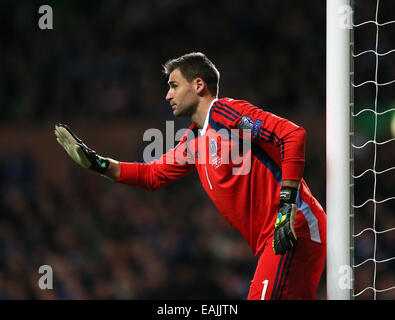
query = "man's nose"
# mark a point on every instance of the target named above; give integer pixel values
(169, 95)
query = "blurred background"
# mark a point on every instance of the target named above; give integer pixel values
(99, 70)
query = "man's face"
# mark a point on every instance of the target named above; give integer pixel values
(182, 95)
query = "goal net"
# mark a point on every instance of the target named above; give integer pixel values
(360, 149)
(373, 54)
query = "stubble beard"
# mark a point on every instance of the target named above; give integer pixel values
(184, 112)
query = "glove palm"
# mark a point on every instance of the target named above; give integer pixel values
(79, 151)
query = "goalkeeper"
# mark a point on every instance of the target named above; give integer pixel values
(269, 204)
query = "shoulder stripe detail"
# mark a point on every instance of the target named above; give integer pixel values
(232, 114)
(228, 107)
(222, 114)
(225, 110)
(265, 135)
(270, 132)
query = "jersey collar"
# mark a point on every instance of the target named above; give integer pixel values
(204, 129)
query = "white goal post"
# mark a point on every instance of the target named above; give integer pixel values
(339, 166)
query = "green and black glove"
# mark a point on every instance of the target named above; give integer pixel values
(284, 238)
(78, 151)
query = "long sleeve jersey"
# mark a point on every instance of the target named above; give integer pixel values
(241, 155)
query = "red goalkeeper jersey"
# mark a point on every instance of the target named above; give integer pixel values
(240, 173)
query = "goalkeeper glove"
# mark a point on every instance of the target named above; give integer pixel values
(78, 151)
(284, 237)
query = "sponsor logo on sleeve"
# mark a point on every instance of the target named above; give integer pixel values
(255, 128)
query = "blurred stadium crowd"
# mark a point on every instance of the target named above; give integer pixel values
(99, 70)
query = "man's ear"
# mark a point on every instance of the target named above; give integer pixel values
(200, 85)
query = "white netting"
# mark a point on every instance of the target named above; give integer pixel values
(374, 149)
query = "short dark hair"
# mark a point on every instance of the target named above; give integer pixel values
(195, 65)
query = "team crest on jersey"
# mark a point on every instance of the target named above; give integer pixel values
(212, 147)
(246, 123)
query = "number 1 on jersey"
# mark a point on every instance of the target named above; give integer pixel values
(265, 282)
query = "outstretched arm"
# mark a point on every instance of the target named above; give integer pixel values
(171, 166)
(79, 151)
